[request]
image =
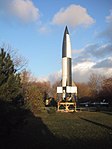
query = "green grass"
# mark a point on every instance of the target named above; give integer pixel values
(83, 129)
(21, 129)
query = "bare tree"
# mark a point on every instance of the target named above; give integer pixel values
(54, 89)
(95, 84)
(19, 61)
(83, 90)
(34, 92)
(106, 91)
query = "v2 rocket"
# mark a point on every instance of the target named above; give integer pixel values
(68, 87)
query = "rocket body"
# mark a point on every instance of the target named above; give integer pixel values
(67, 87)
(66, 60)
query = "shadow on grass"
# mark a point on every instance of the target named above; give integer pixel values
(105, 112)
(20, 129)
(96, 123)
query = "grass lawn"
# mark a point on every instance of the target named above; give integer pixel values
(21, 129)
(81, 129)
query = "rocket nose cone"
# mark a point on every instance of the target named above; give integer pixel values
(66, 46)
(66, 30)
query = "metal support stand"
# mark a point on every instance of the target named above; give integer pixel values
(66, 106)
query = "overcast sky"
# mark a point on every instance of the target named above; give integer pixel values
(35, 28)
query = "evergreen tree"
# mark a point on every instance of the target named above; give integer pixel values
(10, 85)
